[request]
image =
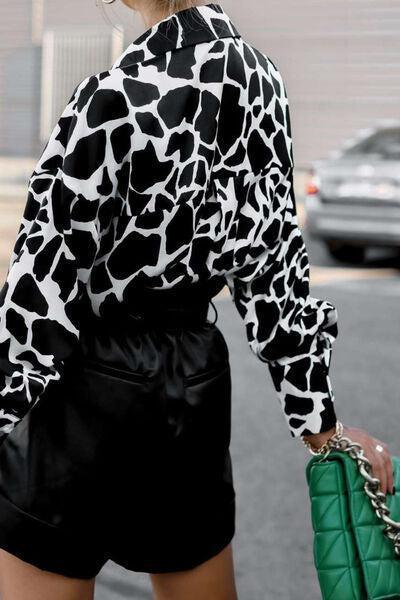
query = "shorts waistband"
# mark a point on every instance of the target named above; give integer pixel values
(163, 310)
(166, 308)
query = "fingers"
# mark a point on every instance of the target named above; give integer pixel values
(382, 475)
(381, 462)
(378, 469)
(390, 480)
(382, 466)
(389, 468)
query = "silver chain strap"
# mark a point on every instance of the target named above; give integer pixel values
(371, 485)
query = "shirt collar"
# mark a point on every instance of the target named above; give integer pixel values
(186, 27)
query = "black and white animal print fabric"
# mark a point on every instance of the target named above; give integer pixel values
(174, 165)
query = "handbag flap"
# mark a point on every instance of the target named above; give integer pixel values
(352, 556)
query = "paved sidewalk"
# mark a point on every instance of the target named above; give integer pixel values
(273, 541)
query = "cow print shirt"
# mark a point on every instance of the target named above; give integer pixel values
(174, 165)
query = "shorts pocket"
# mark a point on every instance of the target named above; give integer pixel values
(122, 408)
(208, 394)
(112, 371)
(206, 375)
(196, 454)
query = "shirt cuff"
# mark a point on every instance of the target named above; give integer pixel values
(306, 396)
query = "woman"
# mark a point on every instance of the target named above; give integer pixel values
(166, 176)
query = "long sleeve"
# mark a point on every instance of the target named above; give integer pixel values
(286, 327)
(48, 270)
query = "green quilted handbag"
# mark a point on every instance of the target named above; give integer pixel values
(356, 545)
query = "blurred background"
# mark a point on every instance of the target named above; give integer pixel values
(341, 65)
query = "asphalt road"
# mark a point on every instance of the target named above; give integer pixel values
(273, 541)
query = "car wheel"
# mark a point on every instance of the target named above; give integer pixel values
(346, 252)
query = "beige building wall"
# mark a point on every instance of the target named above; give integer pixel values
(340, 61)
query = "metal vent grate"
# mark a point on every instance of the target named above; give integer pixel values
(70, 55)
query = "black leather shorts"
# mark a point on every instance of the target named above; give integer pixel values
(126, 457)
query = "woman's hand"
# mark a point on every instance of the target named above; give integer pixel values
(381, 462)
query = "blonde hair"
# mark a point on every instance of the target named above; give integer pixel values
(168, 7)
(172, 6)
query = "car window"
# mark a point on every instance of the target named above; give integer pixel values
(384, 143)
